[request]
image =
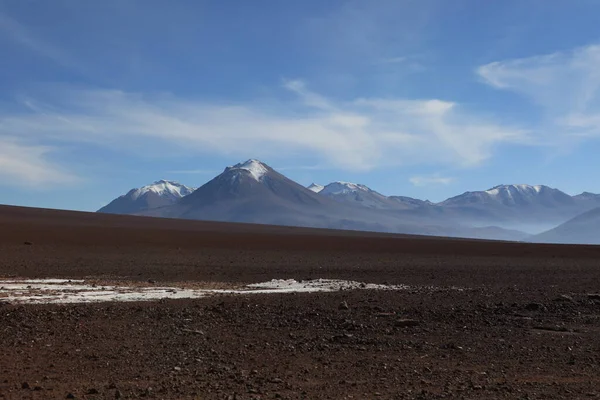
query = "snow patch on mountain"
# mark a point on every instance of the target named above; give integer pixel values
(520, 188)
(337, 188)
(315, 187)
(163, 188)
(256, 168)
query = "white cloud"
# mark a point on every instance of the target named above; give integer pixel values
(430, 180)
(354, 135)
(27, 165)
(565, 84)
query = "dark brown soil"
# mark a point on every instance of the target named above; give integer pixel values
(525, 324)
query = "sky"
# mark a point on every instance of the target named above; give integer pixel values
(420, 98)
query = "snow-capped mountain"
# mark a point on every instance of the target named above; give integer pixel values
(315, 187)
(524, 207)
(165, 189)
(513, 196)
(357, 194)
(158, 194)
(254, 192)
(246, 192)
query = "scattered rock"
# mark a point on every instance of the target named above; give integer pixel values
(343, 306)
(402, 323)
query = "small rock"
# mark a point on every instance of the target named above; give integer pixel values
(70, 396)
(343, 306)
(594, 296)
(28, 243)
(24, 385)
(401, 323)
(92, 391)
(151, 281)
(177, 368)
(38, 388)
(118, 394)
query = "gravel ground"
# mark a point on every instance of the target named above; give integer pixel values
(526, 324)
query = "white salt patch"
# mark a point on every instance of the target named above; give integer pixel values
(37, 291)
(53, 281)
(318, 285)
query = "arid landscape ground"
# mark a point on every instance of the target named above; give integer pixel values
(475, 319)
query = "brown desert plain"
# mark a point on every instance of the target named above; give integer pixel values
(472, 319)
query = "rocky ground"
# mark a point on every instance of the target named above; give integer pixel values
(481, 321)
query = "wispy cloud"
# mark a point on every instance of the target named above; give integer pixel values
(430, 180)
(355, 135)
(565, 84)
(19, 33)
(28, 165)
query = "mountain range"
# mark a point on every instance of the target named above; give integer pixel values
(254, 192)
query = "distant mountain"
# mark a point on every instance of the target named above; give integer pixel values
(253, 192)
(583, 229)
(409, 202)
(524, 207)
(158, 194)
(315, 187)
(512, 196)
(357, 194)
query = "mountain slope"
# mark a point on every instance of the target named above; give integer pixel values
(158, 194)
(583, 229)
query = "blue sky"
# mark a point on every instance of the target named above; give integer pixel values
(422, 98)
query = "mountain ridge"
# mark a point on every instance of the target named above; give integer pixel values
(252, 191)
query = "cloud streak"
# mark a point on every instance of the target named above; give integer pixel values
(361, 134)
(357, 135)
(564, 84)
(28, 165)
(430, 180)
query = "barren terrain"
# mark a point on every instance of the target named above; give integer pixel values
(477, 320)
